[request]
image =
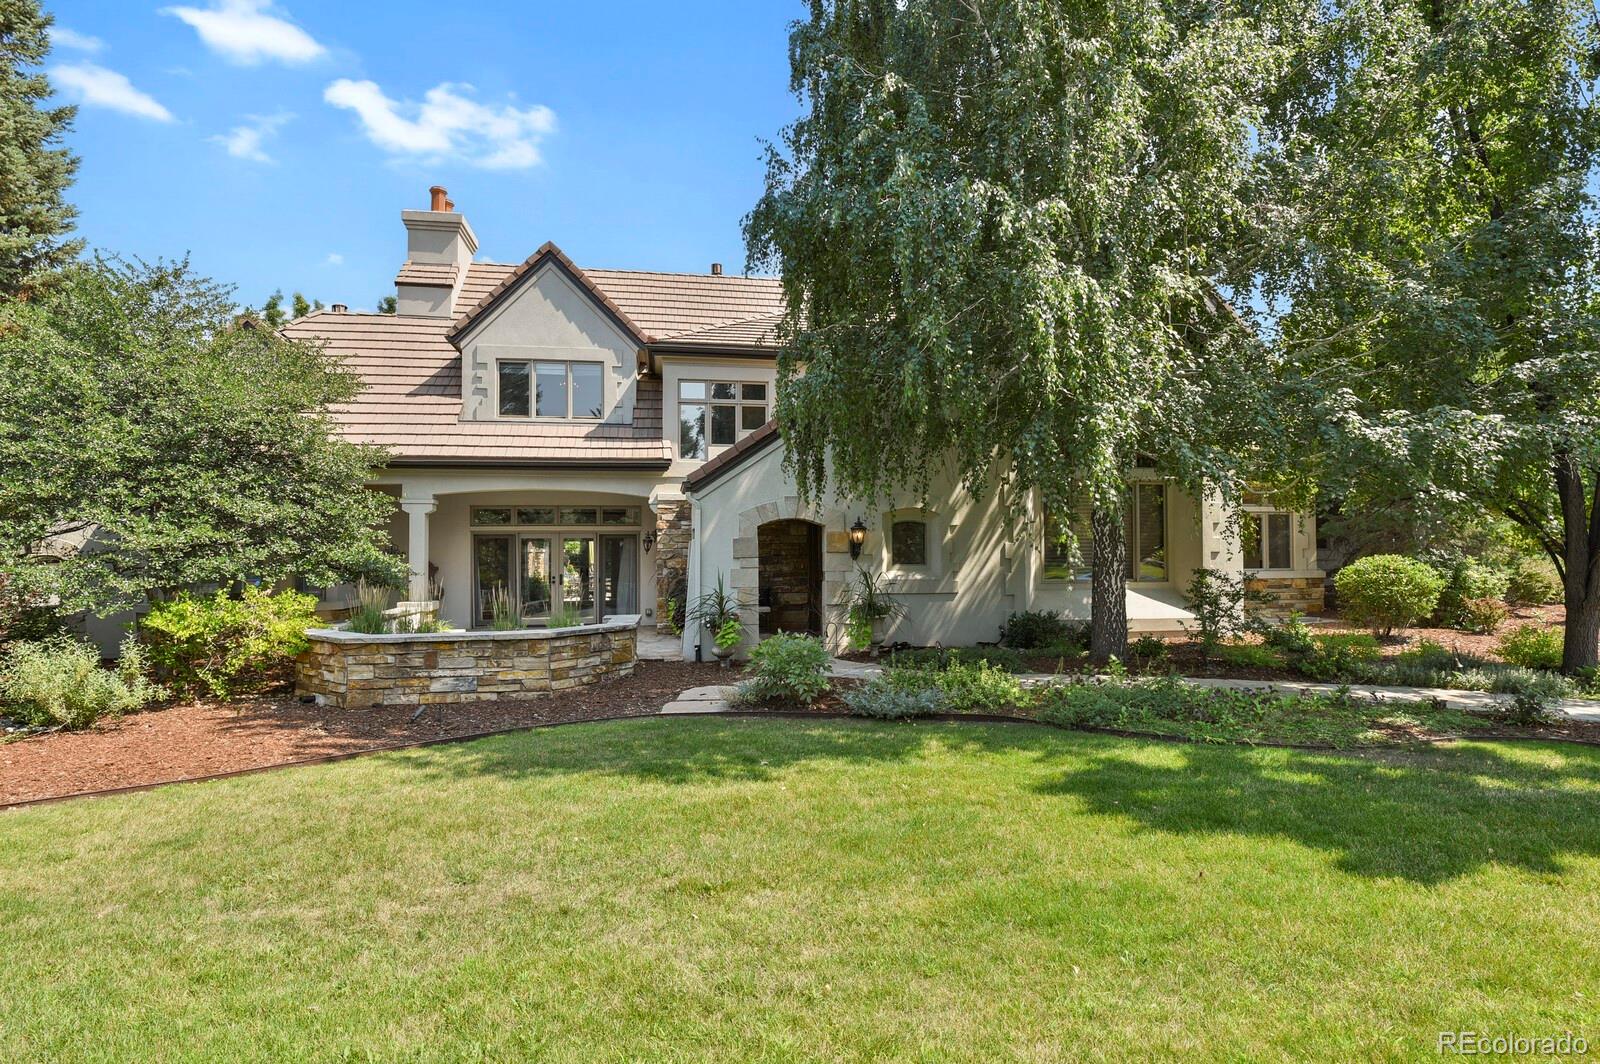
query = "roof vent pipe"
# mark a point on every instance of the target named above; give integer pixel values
(441, 199)
(716, 269)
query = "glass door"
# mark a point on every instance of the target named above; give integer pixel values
(492, 591)
(578, 575)
(535, 578)
(619, 575)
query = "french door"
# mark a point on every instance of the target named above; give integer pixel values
(532, 575)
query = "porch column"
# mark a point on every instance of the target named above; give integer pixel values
(417, 547)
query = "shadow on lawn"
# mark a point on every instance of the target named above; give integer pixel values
(1427, 816)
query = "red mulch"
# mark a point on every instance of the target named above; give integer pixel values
(207, 738)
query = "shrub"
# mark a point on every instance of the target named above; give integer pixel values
(786, 667)
(1148, 650)
(966, 687)
(943, 657)
(1385, 592)
(1217, 601)
(1468, 580)
(1528, 585)
(1483, 615)
(880, 699)
(225, 645)
(1249, 656)
(1532, 647)
(1033, 629)
(59, 682)
(1291, 637)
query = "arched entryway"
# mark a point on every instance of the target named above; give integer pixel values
(789, 567)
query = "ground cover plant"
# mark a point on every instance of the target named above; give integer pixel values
(726, 889)
(59, 682)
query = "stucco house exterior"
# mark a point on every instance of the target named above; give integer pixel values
(602, 441)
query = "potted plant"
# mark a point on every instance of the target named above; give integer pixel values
(718, 613)
(868, 610)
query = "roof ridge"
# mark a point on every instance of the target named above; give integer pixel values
(547, 250)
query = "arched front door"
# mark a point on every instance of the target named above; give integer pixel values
(789, 556)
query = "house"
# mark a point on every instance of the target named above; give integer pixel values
(602, 441)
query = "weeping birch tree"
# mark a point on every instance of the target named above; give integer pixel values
(1433, 268)
(999, 224)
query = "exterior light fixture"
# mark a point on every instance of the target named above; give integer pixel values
(649, 542)
(858, 536)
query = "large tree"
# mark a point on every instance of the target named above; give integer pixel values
(999, 223)
(34, 169)
(1433, 277)
(148, 444)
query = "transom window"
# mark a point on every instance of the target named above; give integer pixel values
(551, 389)
(717, 414)
(1268, 540)
(501, 516)
(1069, 538)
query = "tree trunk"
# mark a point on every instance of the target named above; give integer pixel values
(1580, 528)
(1108, 611)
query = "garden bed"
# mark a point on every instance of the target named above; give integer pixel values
(208, 738)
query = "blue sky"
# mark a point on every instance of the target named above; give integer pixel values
(276, 143)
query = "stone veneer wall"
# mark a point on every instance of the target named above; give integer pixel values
(673, 533)
(1288, 594)
(354, 671)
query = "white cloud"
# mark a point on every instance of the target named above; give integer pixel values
(247, 31)
(61, 37)
(334, 259)
(447, 124)
(244, 141)
(95, 86)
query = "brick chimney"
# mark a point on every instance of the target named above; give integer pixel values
(439, 248)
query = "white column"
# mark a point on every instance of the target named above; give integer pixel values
(417, 546)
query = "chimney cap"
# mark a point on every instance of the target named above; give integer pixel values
(439, 199)
(716, 269)
(339, 308)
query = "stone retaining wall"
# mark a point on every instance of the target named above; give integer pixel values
(354, 671)
(1286, 595)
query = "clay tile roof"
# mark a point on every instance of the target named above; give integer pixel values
(745, 449)
(548, 252)
(434, 274)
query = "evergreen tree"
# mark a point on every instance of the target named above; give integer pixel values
(34, 171)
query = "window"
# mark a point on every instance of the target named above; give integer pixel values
(717, 414)
(1268, 540)
(551, 389)
(491, 515)
(908, 543)
(495, 516)
(1069, 538)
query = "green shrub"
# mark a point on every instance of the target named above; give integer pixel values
(1467, 580)
(1363, 646)
(1249, 656)
(944, 657)
(59, 682)
(1148, 650)
(223, 645)
(1385, 592)
(1291, 637)
(1532, 647)
(1483, 615)
(1216, 599)
(1033, 629)
(880, 699)
(966, 687)
(786, 667)
(1528, 585)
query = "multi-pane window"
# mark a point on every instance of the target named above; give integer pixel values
(1268, 538)
(717, 414)
(551, 389)
(490, 516)
(908, 542)
(1069, 538)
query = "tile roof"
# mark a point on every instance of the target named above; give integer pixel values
(433, 274)
(734, 456)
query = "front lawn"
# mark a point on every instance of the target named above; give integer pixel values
(716, 888)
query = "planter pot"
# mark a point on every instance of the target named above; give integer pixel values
(724, 655)
(879, 625)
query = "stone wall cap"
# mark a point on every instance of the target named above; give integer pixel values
(621, 622)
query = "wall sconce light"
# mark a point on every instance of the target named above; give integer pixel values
(649, 542)
(858, 536)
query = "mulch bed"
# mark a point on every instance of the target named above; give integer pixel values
(209, 738)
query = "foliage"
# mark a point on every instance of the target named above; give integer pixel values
(565, 617)
(786, 667)
(966, 687)
(389, 305)
(1385, 591)
(1248, 656)
(999, 238)
(1467, 579)
(1528, 585)
(1033, 629)
(714, 609)
(34, 214)
(1167, 706)
(943, 657)
(223, 644)
(59, 682)
(370, 613)
(24, 614)
(866, 603)
(150, 446)
(1532, 646)
(1217, 601)
(730, 635)
(1148, 650)
(882, 699)
(1431, 265)
(1483, 615)
(1291, 637)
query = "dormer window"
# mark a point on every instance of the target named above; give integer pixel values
(573, 390)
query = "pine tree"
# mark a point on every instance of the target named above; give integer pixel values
(34, 218)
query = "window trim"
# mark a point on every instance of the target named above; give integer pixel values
(739, 404)
(533, 363)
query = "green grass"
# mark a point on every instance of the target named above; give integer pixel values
(759, 890)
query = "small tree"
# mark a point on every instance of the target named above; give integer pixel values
(1217, 601)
